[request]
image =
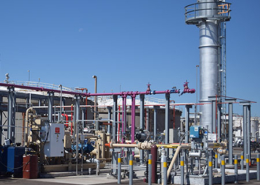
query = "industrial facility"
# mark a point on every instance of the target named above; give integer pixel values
(51, 130)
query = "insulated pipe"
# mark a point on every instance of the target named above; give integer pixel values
(208, 59)
(29, 110)
(133, 120)
(66, 117)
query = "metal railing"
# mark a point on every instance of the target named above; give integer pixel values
(40, 84)
(194, 12)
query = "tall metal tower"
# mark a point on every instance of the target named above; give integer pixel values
(208, 15)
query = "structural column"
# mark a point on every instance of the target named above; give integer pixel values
(77, 109)
(230, 129)
(11, 115)
(133, 119)
(187, 118)
(50, 106)
(219, 123)
(109, 118)
(155, 122)
(167, 107)
(249, 131)
(141, 124)
(114, 124)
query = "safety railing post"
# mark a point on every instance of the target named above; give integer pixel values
(258, 166)
(119, 169)
(247, 168)
(150, 170)
(182, 170)
(242, 161)
(210, 170)
(236, 169)
(223, 170)
(131, 170)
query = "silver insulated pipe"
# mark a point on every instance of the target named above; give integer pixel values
(208, 15)
(208, 59)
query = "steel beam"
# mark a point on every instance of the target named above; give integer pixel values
(167, 107)
(142, 123)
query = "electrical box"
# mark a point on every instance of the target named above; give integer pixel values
(53, 136)
(196, 132)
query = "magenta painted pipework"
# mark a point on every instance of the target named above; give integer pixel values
(133, 120)
(129, 93)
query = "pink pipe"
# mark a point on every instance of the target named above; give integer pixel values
(130, 93)
(133, 120)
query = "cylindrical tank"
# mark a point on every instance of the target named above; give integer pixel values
(30, 167)
(208, 59)
(254, 129)
(154, 163)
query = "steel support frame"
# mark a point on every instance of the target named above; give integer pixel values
(50, 106)
(109, 118)
(187, 118)
(113, 139)
(142, 124)
(11, 115)
(155, 122)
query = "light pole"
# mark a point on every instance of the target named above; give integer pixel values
(95, 100)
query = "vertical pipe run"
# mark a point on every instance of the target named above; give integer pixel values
(214, 116)
(244, 129)
(131, 170)
(118, 125)
(109, 118)
(249, 133)
(114, 126)
(167, 107)
(236, 169)
(219, 123)
(247, 168)
(155, 122)
(230, 133)
(133, 120)
(71, 119)
(141, 124)
(154, 163)
(77, 109)
(150, 169)
(50, 106)
(187, 118)
(119, 169)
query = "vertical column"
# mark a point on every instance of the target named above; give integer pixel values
(249, 132)
(133, 119)
(230, 129)
(150, 169)
(77, 109)
(187, 118)
(141, 124)
(155, 122)
(236, 169)
(223, 180)
(131, 170)
(114, 124)
(247, 168)
(119, 169)
(182, 170)
(147, 119)
(210, 170)
(219, 123)
(11, 115)
(109, 118)
(244, 129)
(214, 116)
(258, 166)
(114, 129)
(167, 107)
(50, 106)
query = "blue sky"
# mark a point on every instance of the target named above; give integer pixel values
(126, 43)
